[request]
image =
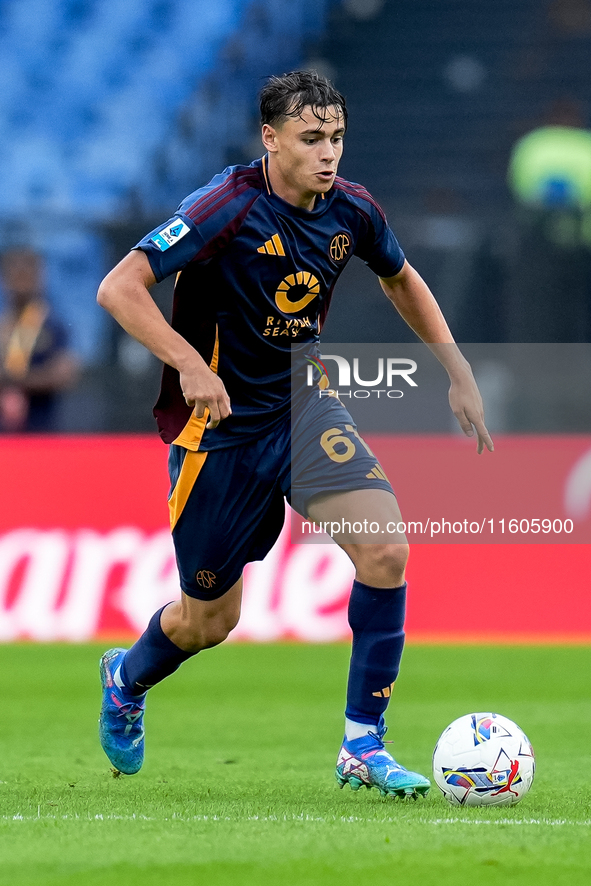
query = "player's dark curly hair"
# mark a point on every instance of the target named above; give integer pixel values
(288, 95)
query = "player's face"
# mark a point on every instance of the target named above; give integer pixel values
(305, 154)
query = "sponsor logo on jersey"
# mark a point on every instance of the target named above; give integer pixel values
(306, 287)
(171, 234)
(274, 246)
(339, 247)
(205, 578)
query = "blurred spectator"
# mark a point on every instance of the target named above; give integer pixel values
(550, 178)
(364, 9)
(551, 166)
(35, 363)
(571, 18)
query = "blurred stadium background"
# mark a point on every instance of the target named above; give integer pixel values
(111, 113)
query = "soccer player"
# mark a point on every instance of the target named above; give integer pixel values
(257, 253)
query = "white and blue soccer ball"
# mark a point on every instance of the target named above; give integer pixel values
(483, 760)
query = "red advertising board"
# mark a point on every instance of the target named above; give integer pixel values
(85, 549)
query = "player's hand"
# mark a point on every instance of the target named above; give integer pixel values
(466, 405)
(203, 389)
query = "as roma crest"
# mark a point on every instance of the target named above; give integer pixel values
(340, 246)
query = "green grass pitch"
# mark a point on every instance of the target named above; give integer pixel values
(238, 783)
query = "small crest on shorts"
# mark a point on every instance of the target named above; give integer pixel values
(205, 578)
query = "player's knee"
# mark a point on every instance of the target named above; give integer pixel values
(194, 640)
(393, 558)
(207, 633)
(381, 565)
(209, 638)
(216, 633)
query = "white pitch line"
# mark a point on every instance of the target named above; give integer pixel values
(549, 822)
(352, 819)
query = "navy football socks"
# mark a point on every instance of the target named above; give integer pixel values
(376, 617)
(151, 659)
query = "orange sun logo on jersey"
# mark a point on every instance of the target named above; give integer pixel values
(306, 286)
(339, 247)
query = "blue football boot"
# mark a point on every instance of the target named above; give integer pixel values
(365, 761)
(121, 722)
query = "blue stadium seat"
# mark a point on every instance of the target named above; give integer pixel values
(93, 90)
(102, 83)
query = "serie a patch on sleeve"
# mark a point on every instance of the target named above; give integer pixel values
(170, 235)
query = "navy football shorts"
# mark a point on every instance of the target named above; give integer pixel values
(227, 505)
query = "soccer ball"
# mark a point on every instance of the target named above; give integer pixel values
(483, 760)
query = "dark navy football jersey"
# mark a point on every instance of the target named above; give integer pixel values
(255, 278)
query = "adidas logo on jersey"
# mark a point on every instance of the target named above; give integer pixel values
(274, 246)
(376, 474)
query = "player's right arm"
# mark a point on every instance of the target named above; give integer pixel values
(125, 294)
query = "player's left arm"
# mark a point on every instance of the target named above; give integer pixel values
(417, 306)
